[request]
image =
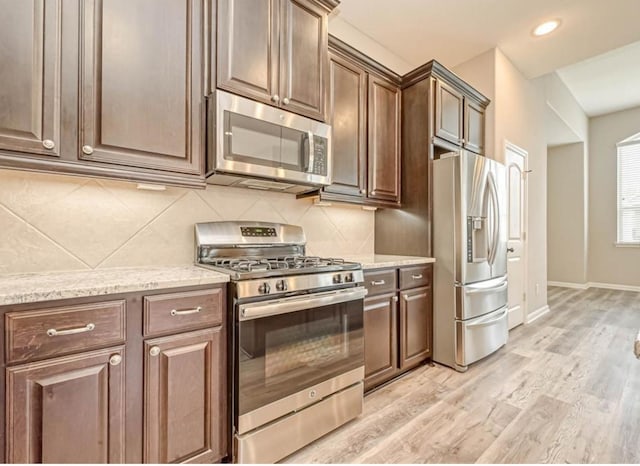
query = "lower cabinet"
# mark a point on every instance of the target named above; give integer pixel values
(155, 393)
(398, 320)
(182, 398)
(67, 410)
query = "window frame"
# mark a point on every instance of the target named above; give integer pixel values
(631, 141)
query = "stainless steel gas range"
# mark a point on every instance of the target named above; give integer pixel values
(297, 343)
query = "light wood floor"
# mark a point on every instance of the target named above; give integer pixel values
(566, 388)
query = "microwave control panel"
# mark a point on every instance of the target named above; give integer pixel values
(320, 155)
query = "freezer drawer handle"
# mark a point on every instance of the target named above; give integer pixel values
(500, 287)
(492, 321)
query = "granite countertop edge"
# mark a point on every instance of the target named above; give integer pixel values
(49, 286)
(381, 261)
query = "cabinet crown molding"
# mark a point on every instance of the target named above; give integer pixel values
(338, 46)
(329, 5)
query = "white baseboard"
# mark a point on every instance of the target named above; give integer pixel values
(531, 316)
(614, 286)
(586, 286)
(579, 286)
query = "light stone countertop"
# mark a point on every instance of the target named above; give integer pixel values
(38, 287)
(379, 261)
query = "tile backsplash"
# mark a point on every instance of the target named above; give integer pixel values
(56, 222)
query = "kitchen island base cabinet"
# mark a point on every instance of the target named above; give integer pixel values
(67, 410)
(183, 398)
(398, 322)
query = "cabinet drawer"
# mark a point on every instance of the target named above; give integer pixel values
(380, 281)
(413, 277)
(57, 331)
(189, 310)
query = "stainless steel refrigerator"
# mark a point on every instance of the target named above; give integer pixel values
(470, 247)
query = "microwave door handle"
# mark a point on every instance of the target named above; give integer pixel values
(309, 152)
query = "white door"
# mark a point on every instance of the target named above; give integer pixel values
(516, 161)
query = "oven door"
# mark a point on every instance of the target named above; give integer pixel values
(293, 352)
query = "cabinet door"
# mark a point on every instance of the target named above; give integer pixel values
(141, 84)
(67, 410)
(30, 40)
(474, 126)
(248, 48)
(304, 57)
(380, 339)
(184, 395)
(384, 140)
(448, 115)
(347, 115)
(415, 326)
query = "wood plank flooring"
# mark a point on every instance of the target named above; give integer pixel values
(565, 389)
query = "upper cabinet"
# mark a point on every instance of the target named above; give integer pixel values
(140, 87)
(30, 80)
(110, 88)
(364, 110)
(275, 51)
(459, 111)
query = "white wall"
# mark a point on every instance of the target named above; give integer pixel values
(566, 220)
(54, 222)
(608, 263)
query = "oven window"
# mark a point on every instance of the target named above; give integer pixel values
(281, 355)
(258, 142)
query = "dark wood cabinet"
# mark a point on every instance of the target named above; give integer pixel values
(415, 326)
(184, 398)
(398, 321)
(141, 97)
(364, 103)
(248, 48)
(474, 126)
(348, 118)
(146, 380)
(381, 338)
(449, 108)
(30, 80)
(275, 51)
(67, 410)
(384, 141)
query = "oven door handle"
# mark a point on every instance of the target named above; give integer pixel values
(298, 303)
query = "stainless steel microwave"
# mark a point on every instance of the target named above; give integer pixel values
(258, 146)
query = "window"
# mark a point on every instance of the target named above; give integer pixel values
(629, 190)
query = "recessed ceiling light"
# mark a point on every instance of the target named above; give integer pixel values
(546, 27)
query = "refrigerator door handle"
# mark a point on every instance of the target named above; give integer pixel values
(495, 219)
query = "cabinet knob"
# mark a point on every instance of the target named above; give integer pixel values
(275, 98)
(48, 144)
(154, 351)
(395, 299)
(87, 150)
(286, 101)
(115, 359)
(363, 191)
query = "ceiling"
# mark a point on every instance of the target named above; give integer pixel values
(454, 31)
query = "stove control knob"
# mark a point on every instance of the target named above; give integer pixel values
(264, 288)
(337, 278)
(281, 285)
(348, 278)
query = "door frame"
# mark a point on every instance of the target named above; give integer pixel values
(508, 145)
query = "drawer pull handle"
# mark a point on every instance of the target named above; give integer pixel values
(52, 332)
(378, 282)
(417, 277)
(175, 312)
